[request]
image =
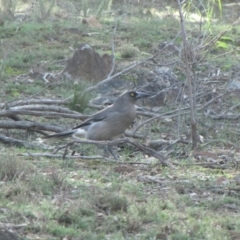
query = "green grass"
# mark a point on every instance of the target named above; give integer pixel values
(90, 198)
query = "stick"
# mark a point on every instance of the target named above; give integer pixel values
(141, 147)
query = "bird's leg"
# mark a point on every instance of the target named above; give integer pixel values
(108, 149)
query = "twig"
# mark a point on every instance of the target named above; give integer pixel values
(151, 152)
(214, 99)
(132, 135)
(113, 45)
(210, 44)
(157, 117)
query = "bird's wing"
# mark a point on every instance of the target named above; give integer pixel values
(99, 116)
(88, 122)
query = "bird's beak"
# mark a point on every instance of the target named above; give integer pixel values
(143, 95)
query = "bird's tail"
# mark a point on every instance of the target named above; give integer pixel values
(57, 136)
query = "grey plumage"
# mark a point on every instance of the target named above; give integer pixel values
(109, 122)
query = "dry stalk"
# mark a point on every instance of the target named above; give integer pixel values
(113, 45)
(188, 58)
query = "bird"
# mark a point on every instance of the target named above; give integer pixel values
(107, 123)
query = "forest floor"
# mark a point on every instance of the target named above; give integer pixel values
(55, 198)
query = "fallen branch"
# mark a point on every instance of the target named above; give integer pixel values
(14, 117)
(35, 101)
(140, 146)
(38, 107)
(29, 126)
(8, 113)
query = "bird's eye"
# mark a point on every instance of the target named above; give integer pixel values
(132, 94)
